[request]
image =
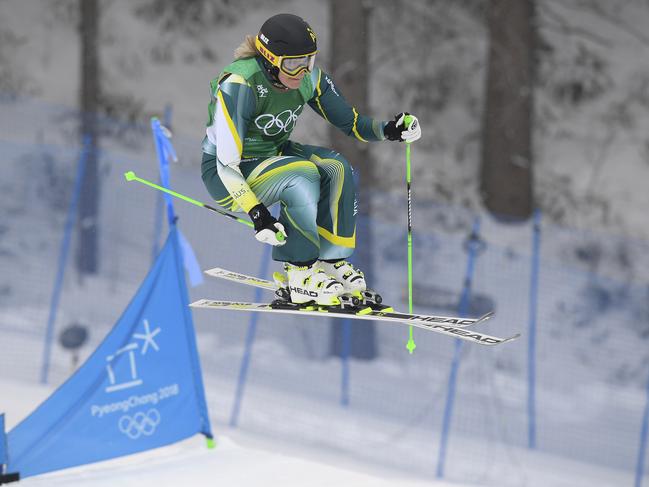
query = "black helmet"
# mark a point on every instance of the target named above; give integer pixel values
(287, 43)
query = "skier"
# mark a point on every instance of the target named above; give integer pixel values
(250, 163)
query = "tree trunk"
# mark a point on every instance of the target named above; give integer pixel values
(349, 69)
(87, 254)
(506, 177)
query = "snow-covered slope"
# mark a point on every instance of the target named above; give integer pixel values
(243, 459)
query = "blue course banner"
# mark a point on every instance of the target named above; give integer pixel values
(141, 388)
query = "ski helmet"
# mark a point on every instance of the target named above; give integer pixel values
(287, 44)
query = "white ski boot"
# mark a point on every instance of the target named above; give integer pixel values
(355, 287)
(310, 283)
(352, 279)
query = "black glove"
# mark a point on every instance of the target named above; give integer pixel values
(261, 217)
(267, 228)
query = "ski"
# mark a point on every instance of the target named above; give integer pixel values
(272, 286)
(242, 278)
(454, 327)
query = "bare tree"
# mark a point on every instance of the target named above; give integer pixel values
(507, 125)
(87, 255)
(349, 61)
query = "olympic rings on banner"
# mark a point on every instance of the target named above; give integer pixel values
(139, 424)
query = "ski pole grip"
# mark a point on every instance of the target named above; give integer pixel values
(280, 236)
(407, 120)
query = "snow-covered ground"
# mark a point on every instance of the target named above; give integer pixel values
(243, 462)
(243, 459)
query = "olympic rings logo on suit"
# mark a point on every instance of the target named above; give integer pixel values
(272, 125)
(139, 424)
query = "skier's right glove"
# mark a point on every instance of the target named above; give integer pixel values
(268, 229)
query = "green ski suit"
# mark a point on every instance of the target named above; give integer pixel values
(248, 158)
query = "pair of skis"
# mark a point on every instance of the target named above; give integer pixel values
(445, 325)
(456, 327)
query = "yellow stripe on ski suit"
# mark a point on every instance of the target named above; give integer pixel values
(291, 166)
(349, 242)
(354, 129)
(317, 100)
(228, 152)
(255, 180)
(228, 119)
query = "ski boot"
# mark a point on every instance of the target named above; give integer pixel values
(310, 288)
(353, 281)
(309, 284)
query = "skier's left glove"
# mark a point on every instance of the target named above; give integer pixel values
(398, 129)
(268, 229)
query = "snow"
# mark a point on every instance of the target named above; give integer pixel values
(245, 459)
(591, 174)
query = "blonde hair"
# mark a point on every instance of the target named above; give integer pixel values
(246, 49)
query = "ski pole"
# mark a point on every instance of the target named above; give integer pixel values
(411, 342)
(130, 176)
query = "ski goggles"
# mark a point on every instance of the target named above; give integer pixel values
(291, 66)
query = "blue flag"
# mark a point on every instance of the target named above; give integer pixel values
(141, 388)
(166, 153)
(190, 261)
